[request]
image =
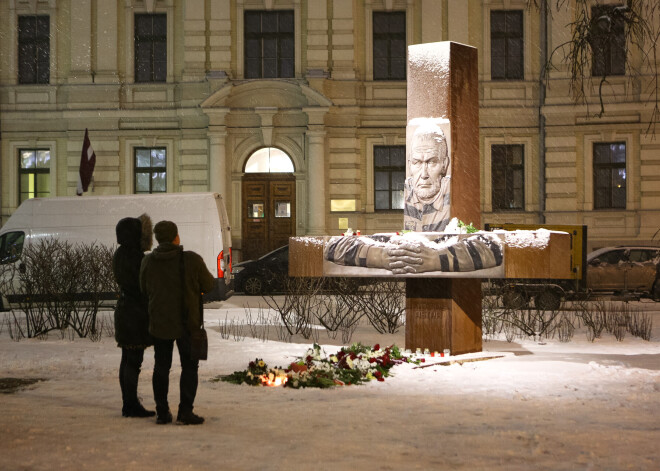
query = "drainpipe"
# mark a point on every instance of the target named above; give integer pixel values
(543, 49)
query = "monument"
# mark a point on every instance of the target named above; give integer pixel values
(442, 266)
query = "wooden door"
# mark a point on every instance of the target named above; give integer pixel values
(269, 212)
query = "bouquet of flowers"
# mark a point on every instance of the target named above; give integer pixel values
(356, 364)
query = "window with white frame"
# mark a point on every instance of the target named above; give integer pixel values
(150, 170)
(150, 47)
(608, 41)
(506, 45)
(508, 177)
(34, 174)
(269, 44)
(389, 177)
(609, 175)
(389, 45)
(33, 49)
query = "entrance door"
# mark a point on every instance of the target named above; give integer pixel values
(269, 212)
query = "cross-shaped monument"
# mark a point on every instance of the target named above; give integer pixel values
(442, 267)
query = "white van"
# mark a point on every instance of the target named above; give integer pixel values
(201, 218)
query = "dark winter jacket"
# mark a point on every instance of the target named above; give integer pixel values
(174, 309)
(134, 236)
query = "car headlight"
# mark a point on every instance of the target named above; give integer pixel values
(236, 270)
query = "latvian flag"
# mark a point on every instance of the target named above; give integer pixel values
(87, 162)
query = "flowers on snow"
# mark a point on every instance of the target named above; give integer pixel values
(353, 365)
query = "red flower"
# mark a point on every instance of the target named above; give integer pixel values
(377, 346)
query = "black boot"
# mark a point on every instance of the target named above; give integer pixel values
(164, 417)
(136, 410)
(189, 418)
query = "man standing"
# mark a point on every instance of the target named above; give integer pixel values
(174, 281)
(427, 186)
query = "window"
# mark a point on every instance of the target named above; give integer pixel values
(34, 174)
(610, 175)
(150, 170)
(389, 45)
(150, 48)
(608, 41)
(507, 166)
(506, 45)
(11, 246)
(33, 49)
(643, 255)
(612, 257)
(269, 44)
(269, 160)
(389, 176)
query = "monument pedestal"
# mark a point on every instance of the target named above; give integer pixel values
(443, 314)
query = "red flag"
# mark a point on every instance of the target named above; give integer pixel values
(87, 163)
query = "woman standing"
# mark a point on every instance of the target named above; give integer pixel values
(134, 236)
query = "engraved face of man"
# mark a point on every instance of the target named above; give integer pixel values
(428, 163)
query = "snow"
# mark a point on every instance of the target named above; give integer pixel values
(542, 405)
(537, 239)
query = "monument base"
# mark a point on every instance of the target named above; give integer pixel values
(443, 314)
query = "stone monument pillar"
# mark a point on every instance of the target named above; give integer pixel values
(443, 107)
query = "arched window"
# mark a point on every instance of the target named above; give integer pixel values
(269, 160)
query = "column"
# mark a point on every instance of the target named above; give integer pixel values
(316, 182)
(81, 42)
(218, 162)
(106, 43)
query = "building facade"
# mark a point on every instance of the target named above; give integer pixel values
(295, 111)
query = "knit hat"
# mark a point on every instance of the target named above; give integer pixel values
(165, 231)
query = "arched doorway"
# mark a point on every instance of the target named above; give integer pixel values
(268, 203)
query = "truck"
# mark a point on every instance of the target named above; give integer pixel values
(200, 217)
(547, 293)
(627, 272)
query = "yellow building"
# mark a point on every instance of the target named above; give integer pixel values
(295, 111)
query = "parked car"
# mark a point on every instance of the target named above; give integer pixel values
(270, 273)
(264, 275)
(624, 270)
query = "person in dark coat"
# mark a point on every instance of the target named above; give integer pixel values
(134, 236)
(174, 280)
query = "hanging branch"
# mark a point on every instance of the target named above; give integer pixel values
(641, 21)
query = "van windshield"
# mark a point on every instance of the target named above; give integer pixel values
(11, 246)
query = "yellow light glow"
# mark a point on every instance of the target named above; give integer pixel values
(342, 205)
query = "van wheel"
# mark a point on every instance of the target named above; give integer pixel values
(253, 286)
(548, 300)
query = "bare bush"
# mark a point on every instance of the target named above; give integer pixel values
(298, 304)
(491, 314)
(339, 313)
(640, 324)
(565, 328)
(384, 304)
(59, 286)
(594, 317)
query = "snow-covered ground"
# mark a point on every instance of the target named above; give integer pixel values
(549, 405)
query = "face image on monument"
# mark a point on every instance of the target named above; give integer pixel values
(428, 172)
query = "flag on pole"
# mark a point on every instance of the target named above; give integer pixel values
(87, 163)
